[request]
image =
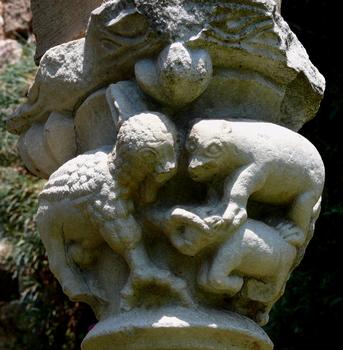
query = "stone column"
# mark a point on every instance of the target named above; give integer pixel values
(180, 195)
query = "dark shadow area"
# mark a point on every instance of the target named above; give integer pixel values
(310, 314)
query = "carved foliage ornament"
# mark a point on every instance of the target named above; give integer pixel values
(181, 197)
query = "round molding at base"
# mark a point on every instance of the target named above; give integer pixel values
(177, 328)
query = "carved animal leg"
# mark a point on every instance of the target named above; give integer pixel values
(300, 214)
(262, 316)
(187, 244)
(268, 290)
(124, 236)
(144, 274)
(265, 293)
(217, 279)
(260, 290)
(237, 190)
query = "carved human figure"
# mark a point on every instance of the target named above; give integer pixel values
(263, 161)
(105, 187)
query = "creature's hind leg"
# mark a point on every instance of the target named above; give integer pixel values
(146, 277)
(217, 278)
(267, 292)
(301, 213)
(124, 237)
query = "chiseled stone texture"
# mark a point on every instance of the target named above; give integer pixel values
(180, 195)
(178, 328)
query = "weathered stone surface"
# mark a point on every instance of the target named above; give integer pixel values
(85, 184)
(69, 72)
(41, 146)
(259, 65)
(186, 203)
(178, 76)
(10, 51)
(177, 328)
(94, 125)
(17, 17)
(125, 99)
(57, 22)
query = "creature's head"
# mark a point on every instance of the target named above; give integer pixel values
(207, 145)
(116, 28)
(146, 146)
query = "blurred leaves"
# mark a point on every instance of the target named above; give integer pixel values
(42, 318)
(14, 82)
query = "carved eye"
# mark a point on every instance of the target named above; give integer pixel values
(213, 150)
(128, 25)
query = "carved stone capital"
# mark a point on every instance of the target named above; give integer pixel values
(180, 196)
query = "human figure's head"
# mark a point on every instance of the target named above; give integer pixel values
(146, 145)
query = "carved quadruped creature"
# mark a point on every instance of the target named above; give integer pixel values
(104, 187)
(263, 161)
(249, 264)
(117, 36)
(254, 261)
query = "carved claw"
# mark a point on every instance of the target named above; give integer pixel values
(217, 283)
(216, 221)
(262, 318)
(235, 215)
(229, 285)
(183, 245)
(182, 216)
(188, 232)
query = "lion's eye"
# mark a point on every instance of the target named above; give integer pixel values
(213, 150)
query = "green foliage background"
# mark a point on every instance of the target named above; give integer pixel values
(310, 313)
(39, 316)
